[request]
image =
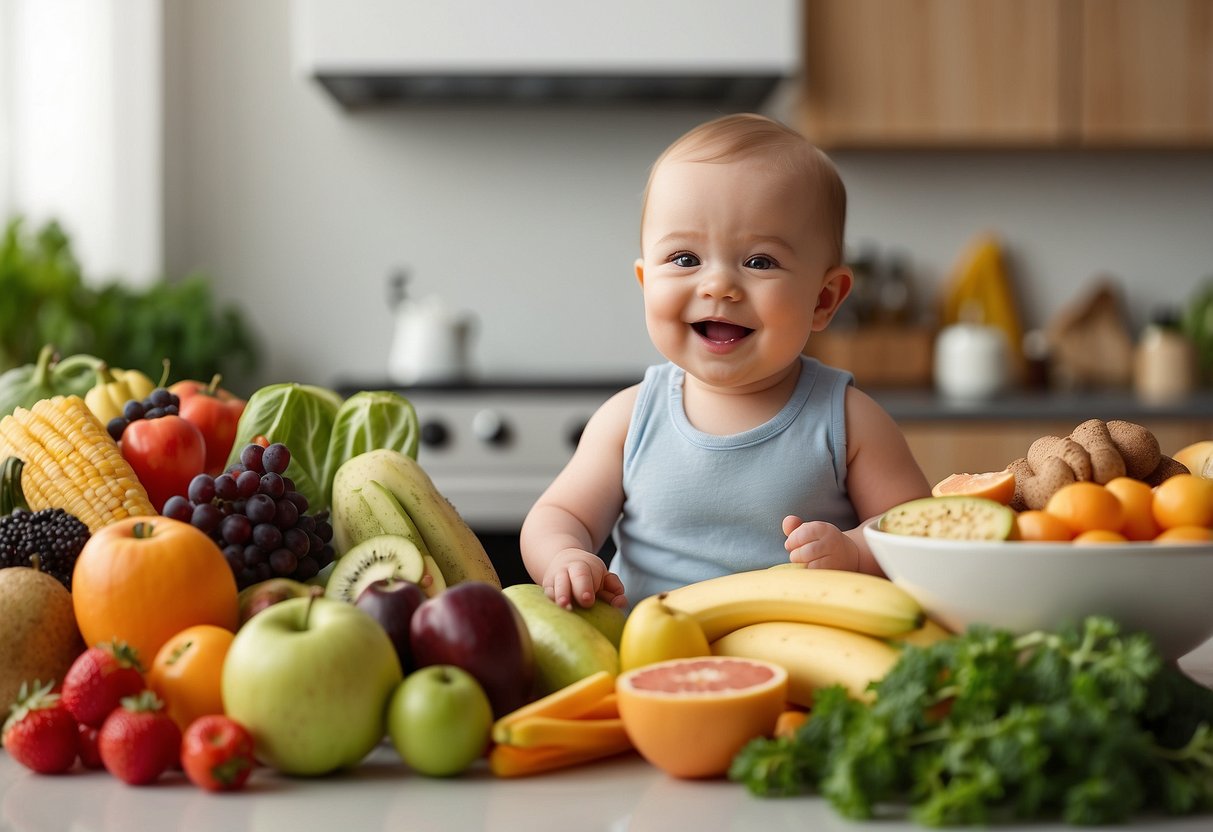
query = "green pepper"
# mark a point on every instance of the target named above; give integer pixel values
(47, 377)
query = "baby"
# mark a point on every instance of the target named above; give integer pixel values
(739, 452)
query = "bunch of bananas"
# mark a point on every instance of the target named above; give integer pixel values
(824, 626)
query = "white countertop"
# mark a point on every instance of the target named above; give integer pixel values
(620, 794)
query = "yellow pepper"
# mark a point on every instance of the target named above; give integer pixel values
(114, 388)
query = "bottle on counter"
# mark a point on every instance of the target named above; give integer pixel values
(1164, 360)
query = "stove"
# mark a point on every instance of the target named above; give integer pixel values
(493, 447)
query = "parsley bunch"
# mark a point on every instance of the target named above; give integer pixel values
(1085, 723)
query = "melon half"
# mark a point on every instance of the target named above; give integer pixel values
(689, 717)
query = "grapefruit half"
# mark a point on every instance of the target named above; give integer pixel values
(689, 717)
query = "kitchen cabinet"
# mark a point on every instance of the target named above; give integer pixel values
(1008, 73)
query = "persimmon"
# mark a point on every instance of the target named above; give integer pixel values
(1137, 500)
(1087, 505)
(1038, 525)
(1184, 500)
(143, 579)
(1185, 534)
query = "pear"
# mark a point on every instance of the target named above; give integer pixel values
(40, 639)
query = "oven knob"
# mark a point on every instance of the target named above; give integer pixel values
(490, 428)
(434, 434)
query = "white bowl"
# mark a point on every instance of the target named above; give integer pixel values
(1164, 590)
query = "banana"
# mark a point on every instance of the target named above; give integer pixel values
(447, 538)
(567, 647)
(929, 633)
(815, 656)
(851, 600)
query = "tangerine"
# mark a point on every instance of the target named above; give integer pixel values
(188, 670)
(1137, 499)
(690, 716)
(993, 485)
(1185, 534)
(1095, 536)
(1086, 505)
(1035, 524)
(1184, 500)
(142, 580)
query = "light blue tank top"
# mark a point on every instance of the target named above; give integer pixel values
(697, 505)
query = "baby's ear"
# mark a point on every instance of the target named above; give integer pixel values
(835, 287)
(639, 266)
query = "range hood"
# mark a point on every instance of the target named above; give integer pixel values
(723, 53)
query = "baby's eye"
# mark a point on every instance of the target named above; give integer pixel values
(760, 261)
(685, 259)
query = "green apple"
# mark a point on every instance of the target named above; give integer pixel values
(440, 720)
(311, 679)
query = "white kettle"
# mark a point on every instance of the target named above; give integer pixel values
(431, 343)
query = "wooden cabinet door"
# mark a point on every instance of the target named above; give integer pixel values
(939, 72)
(1147, 72)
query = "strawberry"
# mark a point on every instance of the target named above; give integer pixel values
(90, 755)
(40, 733)
(217, 753)
(98, 680)
(139, 740)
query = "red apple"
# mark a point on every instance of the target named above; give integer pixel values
(392, 603)
(473, 625)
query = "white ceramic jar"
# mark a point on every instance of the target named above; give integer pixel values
(971, 361)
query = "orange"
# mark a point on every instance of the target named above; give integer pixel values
(1096, 536)
(142, 580)
(1034, 524)
(1086, 505)
(1184, 500)
(689, 717)
(1137, 499)
(789, 722)
(188, 670)
(993, 485)
(1185, 534)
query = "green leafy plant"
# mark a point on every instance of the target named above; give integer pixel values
(44, 299)
(1084, 723)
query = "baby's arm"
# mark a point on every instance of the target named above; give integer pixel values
(881, 473)
(572, 518)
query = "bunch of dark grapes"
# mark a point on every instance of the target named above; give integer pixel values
(254, 513)
(160, 402)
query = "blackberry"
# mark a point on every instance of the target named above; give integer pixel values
(52, 534)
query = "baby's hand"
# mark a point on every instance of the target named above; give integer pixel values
(819, 545)
(576, 574)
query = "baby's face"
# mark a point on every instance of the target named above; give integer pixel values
(732, 264)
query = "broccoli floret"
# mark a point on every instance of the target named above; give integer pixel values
(54, 535)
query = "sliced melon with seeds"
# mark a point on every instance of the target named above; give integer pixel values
(376, 558)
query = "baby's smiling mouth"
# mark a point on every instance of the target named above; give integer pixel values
(720, 332)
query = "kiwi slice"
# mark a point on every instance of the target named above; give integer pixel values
(376, 558)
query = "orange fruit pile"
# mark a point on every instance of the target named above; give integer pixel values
(1180, 509)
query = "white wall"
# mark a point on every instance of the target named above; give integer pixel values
(529, 217)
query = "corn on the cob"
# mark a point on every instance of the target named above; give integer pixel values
(72, 463)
